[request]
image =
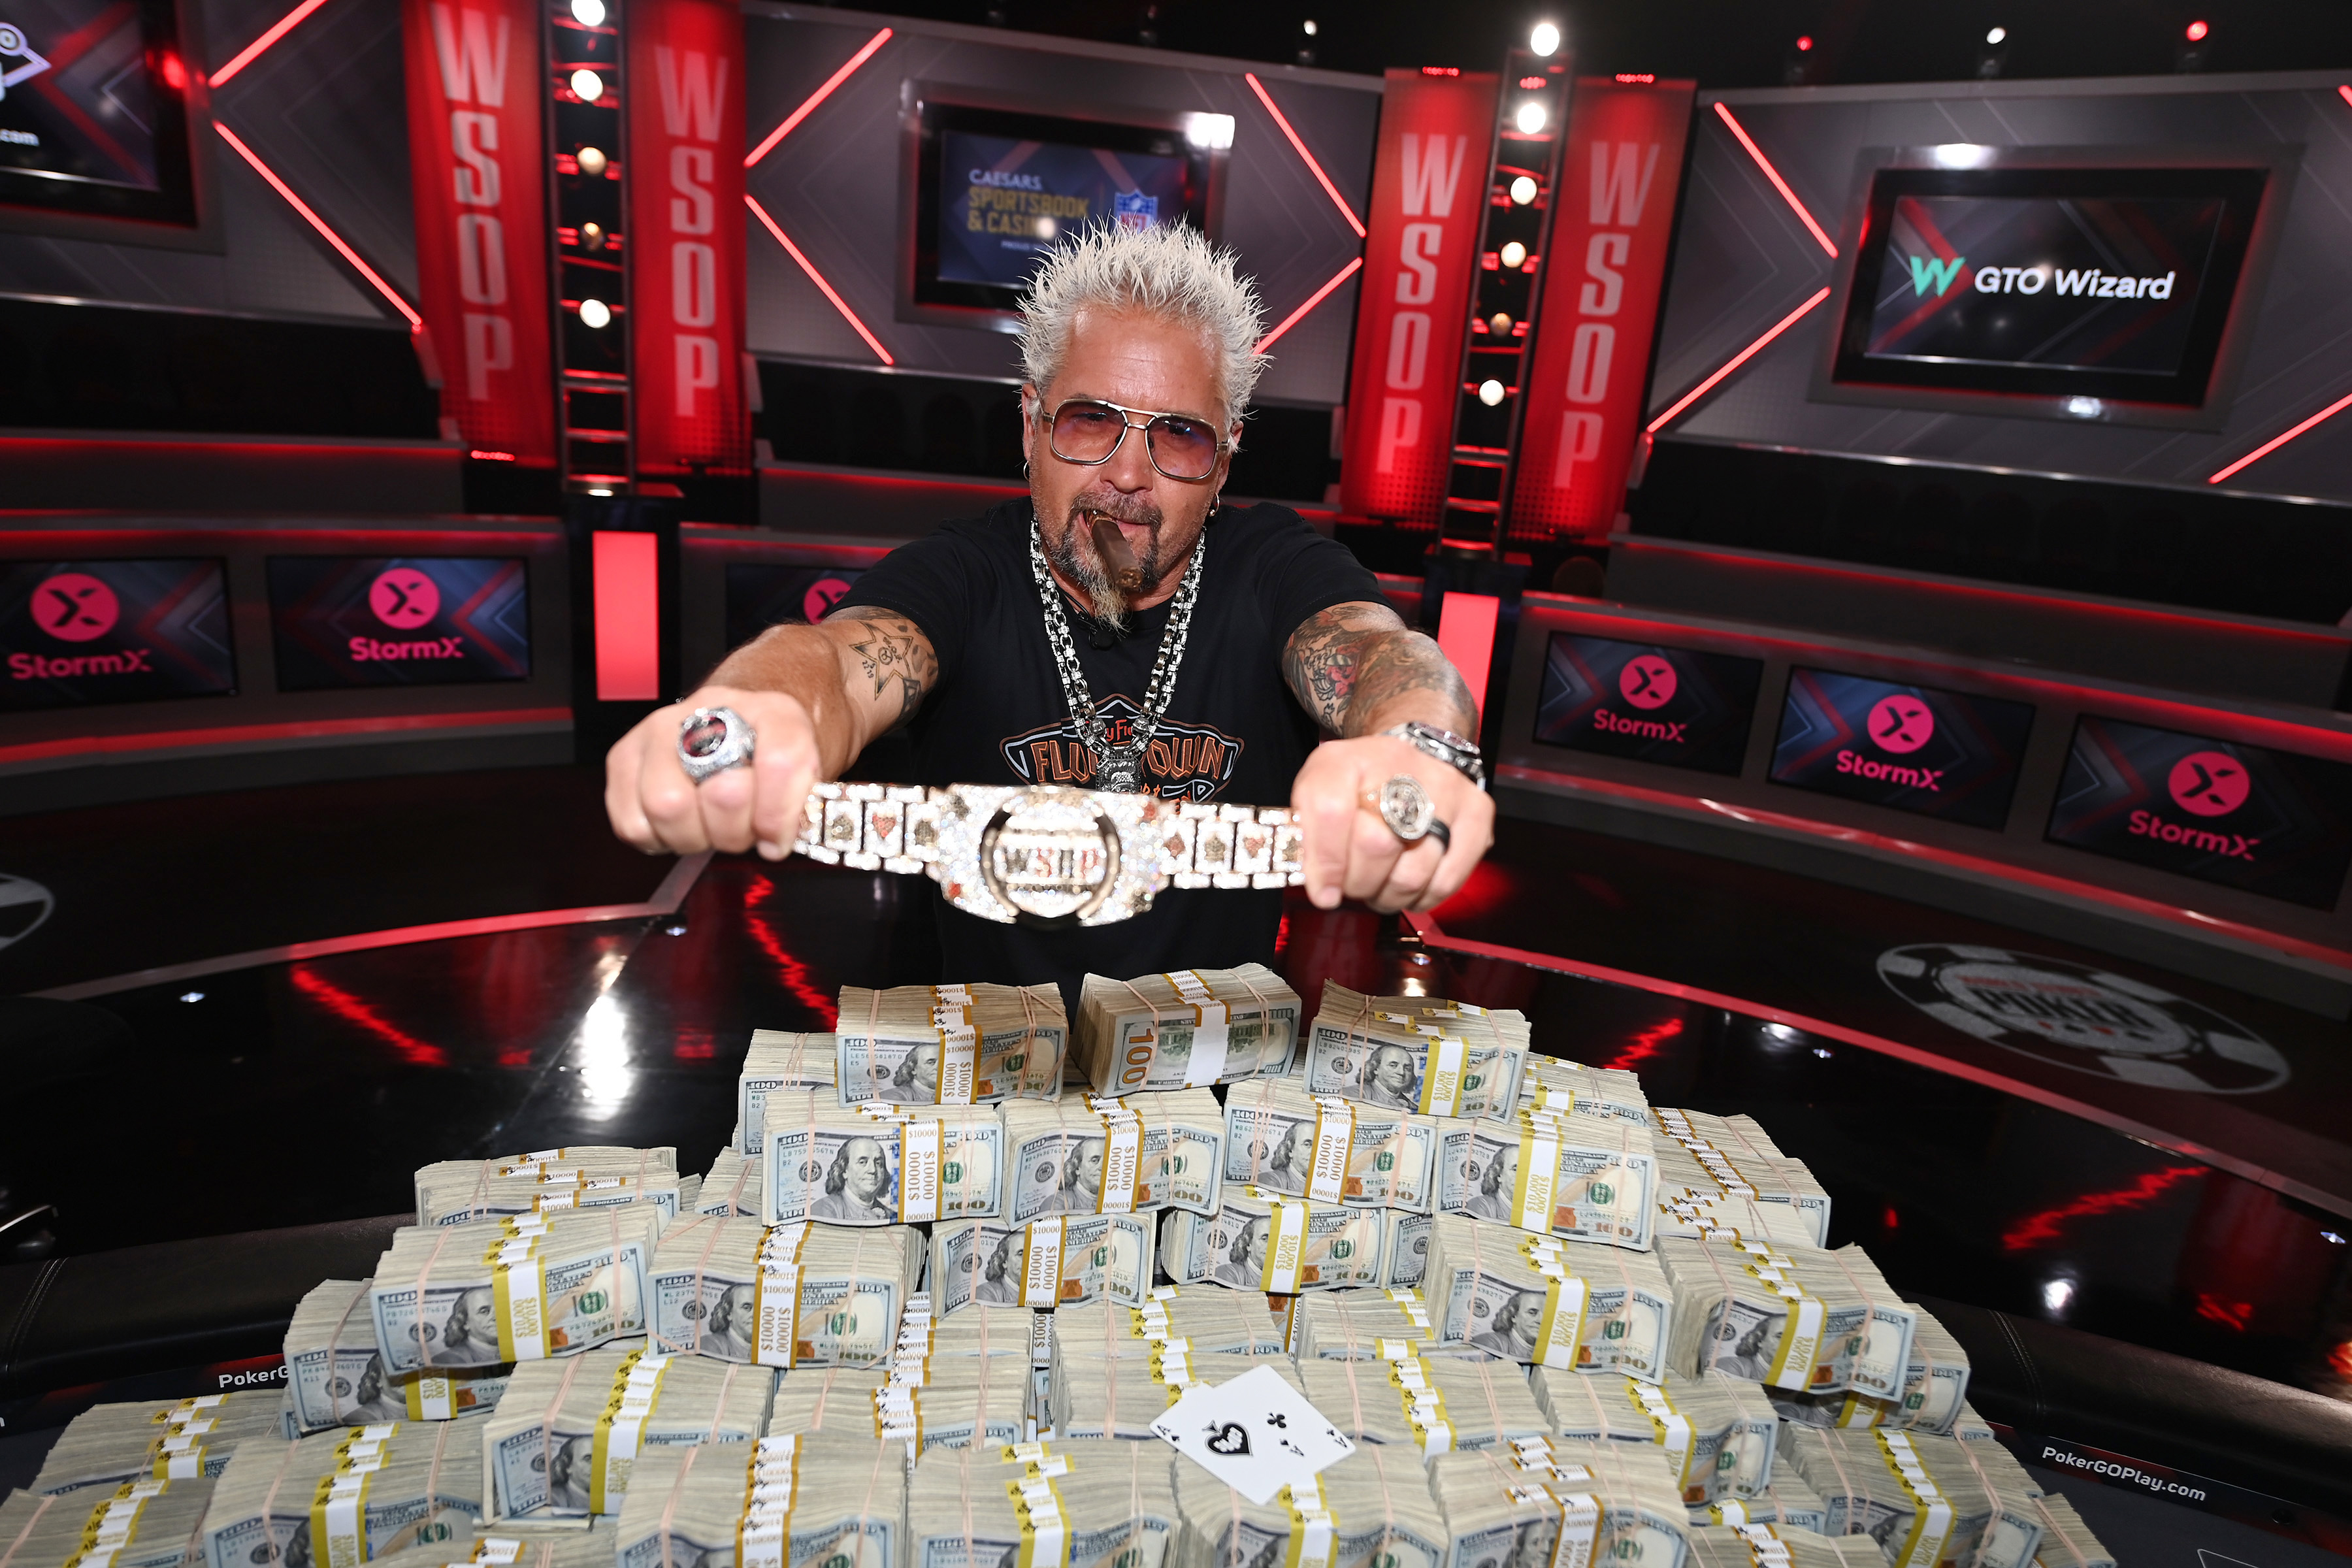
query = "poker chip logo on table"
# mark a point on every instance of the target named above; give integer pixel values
(2082, 1019)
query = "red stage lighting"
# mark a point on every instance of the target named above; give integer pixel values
(2197, 31)
(1805, 44)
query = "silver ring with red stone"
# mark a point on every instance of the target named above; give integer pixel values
(713, 739)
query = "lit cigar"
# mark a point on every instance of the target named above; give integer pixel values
(1126, 575)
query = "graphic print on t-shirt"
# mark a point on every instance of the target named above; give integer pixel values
(1184, 761)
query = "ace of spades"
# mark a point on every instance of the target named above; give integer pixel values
(1255, 1434)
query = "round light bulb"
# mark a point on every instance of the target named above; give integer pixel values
(1514, 255)
(588, 13)
(1499, 324)
(1523, 190)
(1490, 393)
(595, 313)
(2197, 31)
(592, 161)
(1309, 25)
(1999, 35)
(1543, 39)
(1530, 118)
(592, 235)
(588, 85)
(1044, 229)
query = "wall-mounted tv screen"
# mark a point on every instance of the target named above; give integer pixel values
(995, 187)
(1915, 748)
(93, 109)
(410, 620)
(1656, 704)
(2095, 283)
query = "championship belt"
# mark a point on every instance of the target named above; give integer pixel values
(1047, 855)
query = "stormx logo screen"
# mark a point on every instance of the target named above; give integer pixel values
(2244, 817)
(1915, 748)
(2088, 283)
(77, 632)
(1654, 704)
(353, 620)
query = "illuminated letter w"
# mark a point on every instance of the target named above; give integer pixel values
(472, 69)
(1939, 273)
(1429, 177)
(691, 88)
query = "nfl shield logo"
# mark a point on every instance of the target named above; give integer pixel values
(1135, 211)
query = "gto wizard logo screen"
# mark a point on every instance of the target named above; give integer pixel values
(75, 632)
(1654, 704)
(343, 620)
(2269, 822)
(1915, 748)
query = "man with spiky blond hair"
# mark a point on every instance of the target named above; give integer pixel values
(1119, 628)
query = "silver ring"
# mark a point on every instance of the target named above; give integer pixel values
(713, 739)
(1407, 809)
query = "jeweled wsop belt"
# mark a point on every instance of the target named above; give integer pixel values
(1046, 854)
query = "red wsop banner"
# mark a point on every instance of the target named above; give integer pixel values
(1429, 194)
(475, 103)
(1618, 176)
(685, 70)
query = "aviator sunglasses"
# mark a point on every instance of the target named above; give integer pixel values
(1088, 431)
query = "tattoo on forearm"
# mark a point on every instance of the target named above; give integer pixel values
(1352, 663)
(892, 651)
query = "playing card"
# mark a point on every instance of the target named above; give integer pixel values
(1256, 1434)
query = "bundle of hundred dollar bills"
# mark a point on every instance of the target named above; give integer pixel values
(1935, 1390)
(1554, 1083)
(1432, 1403)
(1260, 1239)
(781, 1296)
(804, 1499)
(1715, 1156)
(1416, 1052)
(1766, 1545)
(138, 1524)
(335, 1376)
(1122, 1397)
(1086, 1154)
(451, 1191)
(778, 1060)
(1560, 1501)
(566, 1437)
(1564, 1304)
(1056, 1260)
(346, 1496)
(1793, 1316)
(1186, 1030)
(949, 1045)
(1330, 1149)
(878, 1164)
(1922, 1497)
(1585, 1178)
(520, 1289)
(1080, 1503)
(1786, 1502)
(184, 1440)
(1371, 1509)
(1719, 1433)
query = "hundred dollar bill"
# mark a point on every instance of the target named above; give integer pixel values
(1548, 1302)
(1706, 1156)
(1580, 1177)
(1922, 1499)
(1264, 1240)
(467, 1179)
(1404, 1249)
(187, 1439)
(1554, 1083)
(1058, 1260)
(1416, 1052)
(335, 1376)
(1330, 1149)
(949, 1045)
(797, 1501)
(345, 1496)
(791, 1295)
(778, 1060)
(568, 1437)
(735, 1186)
(144, 1523)
(522, 1288)
(1795, 1318)
(1136, 1155)
(1370, 1509)
(1111, 1505)
(554, 1192)
(1559, 1502)
(880, 1166)
(1186, 1030)
(1935, 1390)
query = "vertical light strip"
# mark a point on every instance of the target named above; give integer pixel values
(1722, 112)
(1742, 357)
(253, 51)
(1313, 299)
(819, 96)
(1313, 167)
(626, 571)
(818, 279)
(1465, 634)
(407, 312)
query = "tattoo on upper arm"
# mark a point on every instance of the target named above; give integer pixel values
(1351, 662)
(892, 651)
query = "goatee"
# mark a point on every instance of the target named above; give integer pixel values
(1106, 603)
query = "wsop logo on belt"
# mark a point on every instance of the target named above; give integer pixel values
(2082, 1019)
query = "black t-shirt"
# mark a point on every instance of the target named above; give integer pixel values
(1232, 731)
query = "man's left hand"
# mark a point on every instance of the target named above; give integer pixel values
(1350, 853)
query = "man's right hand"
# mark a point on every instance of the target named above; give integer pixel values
(657, 807)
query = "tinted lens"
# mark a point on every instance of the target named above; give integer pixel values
(1183, 449)
(1086, 432)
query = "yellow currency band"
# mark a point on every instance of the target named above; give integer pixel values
(1285, 1249)
(1441, 1086)
(1313, 1528)
(1931, 1524)
(1045, 1525)
(339, 1518)
(519, 1298)
(620, 1426)
(1675, 1434)
(1559, 1331)
(776, 1296)
(1532, 1198)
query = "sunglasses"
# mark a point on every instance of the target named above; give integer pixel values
(1088, 431)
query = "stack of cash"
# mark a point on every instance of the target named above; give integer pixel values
(1122, 1399)
(1584, 1178)
(1264, 1240)
(1757, 1544)
(1187, 1030)
(1916, 1492)
(785, 1499)
(1363, 1325)
(1208, 1322)
(1560, 1501)
(1536, 1298)
(336, 1377)
(452, 1190)
(940, 1351)
(1416, 1052)
(1136, 1155)
(787, 1295)
(777, 1060)
(1787, 1503)
(1432, 1403)
(1372, 1507)
(1590, 1407)
(522, 1288)
(834, 1400)
(734, 1188)
(1793, 1316)
(1058, 1260)
(1718, 1433)
(186, 1439)
(1554, 1083)
(1935, 1390)
(565, 1438)
(520, 1546)
(138, 1524)
(2066, 1540)
(877, 1164)
(1404, 1249)
(1713, 1156)
(949, 1045)
(366, 1489)
(962, 1401)
(1330, 1150)
(1086, 1504)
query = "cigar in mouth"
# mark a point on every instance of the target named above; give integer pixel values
(1126, 573)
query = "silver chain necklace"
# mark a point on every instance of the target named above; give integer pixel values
(1118, 769)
